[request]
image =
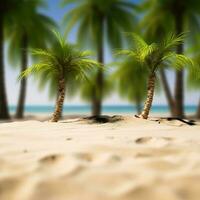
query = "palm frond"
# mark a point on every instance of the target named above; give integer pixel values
(147, 51)
(138, 41)
(59, 38)
(155, 54)
(32, 69)
(178, 61)
(126, 53)
(172, 40)
(42, 53)
(119, 15)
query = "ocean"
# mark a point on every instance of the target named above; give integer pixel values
(107, 109)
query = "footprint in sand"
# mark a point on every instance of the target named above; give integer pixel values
(145, 140)
(50, 159)
(153, 152)
(84, 156)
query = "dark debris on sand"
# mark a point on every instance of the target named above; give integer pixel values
(104, 119)
(185, 121)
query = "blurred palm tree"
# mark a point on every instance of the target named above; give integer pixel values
(61, 61)
(179, 15)
(194, 80)
(87, 87)
(30, 30)
(153, 57)
(99, 21)
(131, 81)
(6, 15)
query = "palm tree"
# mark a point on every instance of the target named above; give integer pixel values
(3, 98)
(27, 21)
(88, 86)
(155, 28)
(60, 61)
(131, 79)
(154, 56)
(194, 80)
(6, 14)
(179, 15)
(100, 21)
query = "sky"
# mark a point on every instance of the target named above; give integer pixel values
(37, 97)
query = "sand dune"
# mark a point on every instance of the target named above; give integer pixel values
(130, 159)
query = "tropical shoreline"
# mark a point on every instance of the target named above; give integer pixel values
(106, 109)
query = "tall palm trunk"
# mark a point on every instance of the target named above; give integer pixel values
(150, 94)
(95, 102)
(98, 93)
(99, 86)
(179, 85)
(23, 83)
(167, 92)
(62, 112)
(4, 113)
(198, 110)
(60, 101)
(138, 104)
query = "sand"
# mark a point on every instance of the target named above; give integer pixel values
(131, 159)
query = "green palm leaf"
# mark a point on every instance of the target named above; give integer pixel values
(155, 54)
(61, 60)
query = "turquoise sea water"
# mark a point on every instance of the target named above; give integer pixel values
(84, 109)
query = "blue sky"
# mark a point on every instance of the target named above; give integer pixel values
(36, 97)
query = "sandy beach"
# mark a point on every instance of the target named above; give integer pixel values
(127, 159)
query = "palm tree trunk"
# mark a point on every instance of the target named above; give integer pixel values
(23, 83)
(150, 94)
(96, 110)
(60, 101)
(4, 113)
(167, 92)
(99, 89)
(138, 105)
(62, 112)
(179, 85)
(198, 111)
(98, 93)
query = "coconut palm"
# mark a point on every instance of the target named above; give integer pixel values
(4, 114)
(21, 36)
(154, 56)
(100, 21)
(179, 15)
(62, 60)
(6, 15)
(131, 81)
(194, 80)
(156, 28)
(195, 84)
